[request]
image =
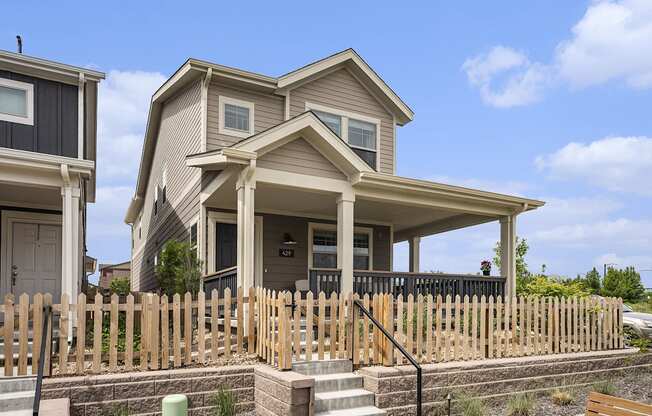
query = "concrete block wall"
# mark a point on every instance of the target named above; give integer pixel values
(285, 393)
(142, 392)
(395, 387)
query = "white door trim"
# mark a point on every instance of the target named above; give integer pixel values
(8, 218)
(213, 217)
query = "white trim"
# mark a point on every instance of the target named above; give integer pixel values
(28, 88)
(299, 214)
(204, 108)
(44, 161)
(8, 217)
(212, 218)
(45, 68)
(312, 226)
(80, 116)
(346, 116)
(287, 105)
(222, 100)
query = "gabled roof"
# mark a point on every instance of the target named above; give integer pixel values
(350, 59)
(306, 125)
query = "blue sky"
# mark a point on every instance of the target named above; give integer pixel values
(547, 99)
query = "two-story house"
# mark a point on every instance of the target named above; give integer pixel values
(48, 117)
(290, 182)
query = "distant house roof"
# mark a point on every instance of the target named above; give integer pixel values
(122, 266)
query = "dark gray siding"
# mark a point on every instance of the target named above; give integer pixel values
(55, 119)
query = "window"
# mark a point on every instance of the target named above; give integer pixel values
(236, 117)
(156, 200)
(361, 251)
(333, 121)
(359, 131)
(140, 227)
(324, 249)
(193, 236)
(16, 101)
(164, 185)
(155, 260)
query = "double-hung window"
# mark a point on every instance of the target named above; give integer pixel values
(323, 249)
(16, 101)
(236, 117)
(360, 132)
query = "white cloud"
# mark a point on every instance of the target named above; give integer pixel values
(124, 99)
(615, 163)
(522, 81)
(621, 231)
(611, 41)
(640, 262)
(105, 216)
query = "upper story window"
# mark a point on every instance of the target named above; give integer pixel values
(16, 101)
(193, 236)
(164, 185)
(156, 200)
(236, 117)
(360, 132)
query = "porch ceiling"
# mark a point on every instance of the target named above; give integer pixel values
(24, 195)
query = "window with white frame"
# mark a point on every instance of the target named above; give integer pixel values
(156, 200)
(360, 132)
(16, 101)
(236, 117)
(323, 248)
(164, 185)
(193, 236)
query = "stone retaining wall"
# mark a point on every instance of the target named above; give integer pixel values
(283, 393)
(395, 387)
(142, 392)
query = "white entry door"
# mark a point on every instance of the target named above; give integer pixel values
(36, 259)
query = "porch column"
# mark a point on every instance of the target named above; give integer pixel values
(415, 250)
(508, 253)
(246, 187)
(70, 248)
(345, 241)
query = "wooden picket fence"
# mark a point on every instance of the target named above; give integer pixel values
(156, 332)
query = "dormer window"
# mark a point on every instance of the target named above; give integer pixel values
(360, 132)
(236, 117)
(16, 101)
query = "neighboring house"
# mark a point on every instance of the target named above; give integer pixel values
(48, 117)
(108, 272)
(274, 177)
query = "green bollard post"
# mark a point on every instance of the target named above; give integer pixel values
(175, 405)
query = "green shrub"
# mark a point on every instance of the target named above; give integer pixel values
(545, 286)
(604, 387)
(223, 403)
(520, 405)
(121, 286)
(179, 270)
(471, 406)
(623, 283)
(562, 397)
(642, 344)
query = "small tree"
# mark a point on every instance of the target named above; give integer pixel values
(523, 276)
(592, 281)
(623, 283)
(179, 270)
(120, 286)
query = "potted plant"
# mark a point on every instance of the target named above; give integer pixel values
(485, 266)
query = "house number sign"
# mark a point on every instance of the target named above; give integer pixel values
(286, 252)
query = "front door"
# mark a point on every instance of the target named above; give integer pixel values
(227, 246)
(35, 259)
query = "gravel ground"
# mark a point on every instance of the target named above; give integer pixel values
(634, 387)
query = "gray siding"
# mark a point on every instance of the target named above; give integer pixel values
(282, 272)
(55, 119)
(342, 91)
(178, 136)
(299, 156)
(268, 112)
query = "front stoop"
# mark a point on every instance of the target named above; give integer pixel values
(338, 391)
(17, 395)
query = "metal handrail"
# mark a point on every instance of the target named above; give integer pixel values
(47, 310)
(356, 302)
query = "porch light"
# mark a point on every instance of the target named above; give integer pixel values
(288, 240)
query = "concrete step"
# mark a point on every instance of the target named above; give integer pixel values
(337, 382)
(23, 412)
(356, 411)
(315, 368)
(18, 400)
(343, 399)
(17, 384)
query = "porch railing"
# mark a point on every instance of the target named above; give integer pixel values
(376, 282)
(220, 280)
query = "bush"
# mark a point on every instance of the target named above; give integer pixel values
(604, 387)
(520, 405)
(623, 283)
(471, 406)
(545, 286)
(223, 403)
(562, 397)
(120, 286)
(179, 270)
